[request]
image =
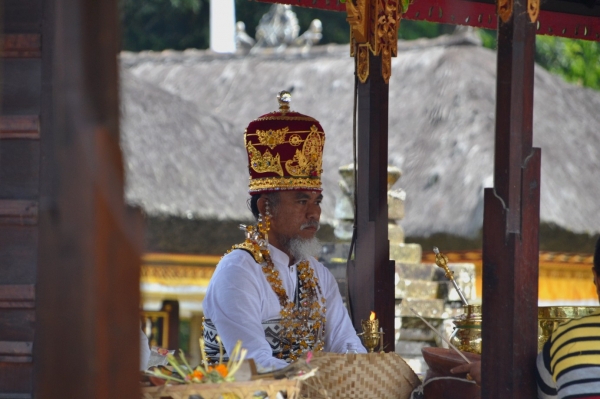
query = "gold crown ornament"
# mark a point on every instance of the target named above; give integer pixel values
(285, 150)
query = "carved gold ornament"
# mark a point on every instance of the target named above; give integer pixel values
(533, 9)
(307, 162)
(362, 62)
(296, 140)
(505, 8)
(272, 138)
(288, 183)
(386, 33)
(382, 20)
(266, 162)
(387, 37)
(358, 20)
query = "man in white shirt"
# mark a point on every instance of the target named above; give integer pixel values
(270, 292)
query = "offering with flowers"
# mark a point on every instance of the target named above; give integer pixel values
(180, 372)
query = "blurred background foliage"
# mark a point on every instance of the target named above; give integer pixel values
(180, 24)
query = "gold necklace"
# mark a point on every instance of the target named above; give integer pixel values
(298, 336)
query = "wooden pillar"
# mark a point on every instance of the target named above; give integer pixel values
(20, 90)
(372, 274)
(87, 321)
(511, 219)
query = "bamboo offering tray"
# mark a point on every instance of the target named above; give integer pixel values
(364, 376)
(229, 390)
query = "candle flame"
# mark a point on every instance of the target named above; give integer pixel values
(372, 317)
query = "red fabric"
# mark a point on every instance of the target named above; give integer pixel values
(300, 160)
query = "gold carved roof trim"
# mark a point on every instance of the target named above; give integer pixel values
(178, 269)
(545, 257)
(286, 118)
(176, 275)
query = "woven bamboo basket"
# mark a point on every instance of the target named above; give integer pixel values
(228, 390)
(372, 375)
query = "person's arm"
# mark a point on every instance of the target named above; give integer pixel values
(339, 331)
(233, 303)
(545, 381)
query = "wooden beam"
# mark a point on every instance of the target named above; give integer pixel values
(17, 296)
(511, 222)
(20, 127)
(18, 212)
(371, 277)
(22, 46)
(574, 24)
(557, 18)
(87, 323)
(15, 352)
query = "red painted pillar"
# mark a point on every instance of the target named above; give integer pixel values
(511, 222)
(371, 277)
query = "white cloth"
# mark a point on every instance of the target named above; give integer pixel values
(239, 298)
(144, 351)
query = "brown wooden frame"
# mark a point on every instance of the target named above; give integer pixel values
(512, 206)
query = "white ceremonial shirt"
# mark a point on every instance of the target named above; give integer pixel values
(239, 299)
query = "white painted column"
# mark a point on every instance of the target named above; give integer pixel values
(222, 26)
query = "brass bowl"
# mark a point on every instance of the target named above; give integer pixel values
(467, 334)
(371, 341)
(550, 317)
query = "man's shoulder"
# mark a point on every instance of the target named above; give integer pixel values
(236, 261)
(316, 263)
(250, 248)
(236, 256)
(576, 328)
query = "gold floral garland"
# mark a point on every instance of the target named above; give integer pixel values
(294, 319)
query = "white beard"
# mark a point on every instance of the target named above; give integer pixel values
(302, 249)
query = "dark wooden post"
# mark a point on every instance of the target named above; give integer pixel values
(87, 321)
(511, 222)
(372, 275)
(20, 89)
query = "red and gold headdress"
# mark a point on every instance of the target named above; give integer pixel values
(285, 150)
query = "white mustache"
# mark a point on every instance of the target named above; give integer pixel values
(312, 223)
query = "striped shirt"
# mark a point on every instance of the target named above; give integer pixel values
(568, 367)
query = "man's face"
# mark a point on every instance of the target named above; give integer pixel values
(297, 214)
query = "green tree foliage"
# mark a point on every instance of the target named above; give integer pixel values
(180, 24)
(411, 30)
(488, 38)
(164, 24)
(577, 61)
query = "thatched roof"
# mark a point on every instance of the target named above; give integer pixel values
(185, 114)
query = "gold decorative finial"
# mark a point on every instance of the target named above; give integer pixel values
(284, 97)
(442, 261)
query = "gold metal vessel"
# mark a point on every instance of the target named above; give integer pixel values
(467, 333)
(550, 317)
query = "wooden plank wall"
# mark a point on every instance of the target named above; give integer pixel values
(69, 248)
(20, 89)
